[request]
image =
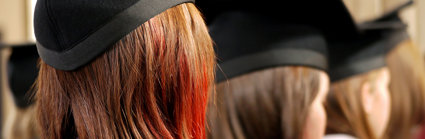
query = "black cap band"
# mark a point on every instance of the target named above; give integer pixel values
(369, 59)
(272, 58)
(247, 42)
(111, 32)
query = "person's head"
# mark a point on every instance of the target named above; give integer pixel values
(359, 105)
(407, 89)
(271, 78)
(280, 102)
(153, 83)
(359, 101)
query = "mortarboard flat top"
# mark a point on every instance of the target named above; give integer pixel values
(331, 17)
(71, 33)
(366, 52)
(248, 42)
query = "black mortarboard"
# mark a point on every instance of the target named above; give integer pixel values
(366, 52)
(247, 42)
(71, 33)
(331, 17)
(22, 72)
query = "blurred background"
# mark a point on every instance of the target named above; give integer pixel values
(16, 28)
(414, 15)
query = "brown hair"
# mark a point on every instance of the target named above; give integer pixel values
(153, 83)
(407, 89)
(272, 103)
(344, 107)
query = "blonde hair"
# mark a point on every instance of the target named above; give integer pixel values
(407, 88)
(344, 106)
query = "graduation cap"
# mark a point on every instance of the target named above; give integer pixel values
(247, 42)
(331, 17)
(22, 71)
(367, 51)
(71, 33)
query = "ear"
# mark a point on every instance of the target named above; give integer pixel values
(366, 97)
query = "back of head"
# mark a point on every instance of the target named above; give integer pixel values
(270, 103)
(358, 102)
(274, 69)
(152, 83)
(407, 89)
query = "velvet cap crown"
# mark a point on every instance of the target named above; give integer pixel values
(366, 52)
(247, 42)
(71, 33)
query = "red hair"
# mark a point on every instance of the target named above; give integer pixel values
(152, 84)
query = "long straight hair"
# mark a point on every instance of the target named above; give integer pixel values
(344, 107)
(153, 83)
(272, 103)
(407, 88)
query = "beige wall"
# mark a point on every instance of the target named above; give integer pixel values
(409, 16)
(13, 20)
(365, 10)
(421, 23)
